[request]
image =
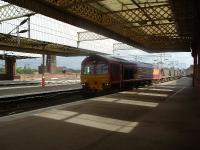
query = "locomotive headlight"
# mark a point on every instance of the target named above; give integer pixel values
(107, 84)
(83, 84)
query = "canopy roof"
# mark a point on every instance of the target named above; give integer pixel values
(153, 25)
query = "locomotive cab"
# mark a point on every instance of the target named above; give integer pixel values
(95, 74)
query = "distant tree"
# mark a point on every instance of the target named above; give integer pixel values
(25, 70)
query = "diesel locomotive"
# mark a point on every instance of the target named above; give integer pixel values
(100, 73)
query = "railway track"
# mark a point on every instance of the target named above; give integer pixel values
(16, 104)
(22, 103)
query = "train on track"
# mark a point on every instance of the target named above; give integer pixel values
(101, 73)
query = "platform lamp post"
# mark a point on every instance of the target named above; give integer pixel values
(19, 31)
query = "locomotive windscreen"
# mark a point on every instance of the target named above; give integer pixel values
(88, 69)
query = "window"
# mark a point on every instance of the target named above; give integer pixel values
(101, 69)
(88, 69)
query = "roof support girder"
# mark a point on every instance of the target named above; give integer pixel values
(86, 16)
(70, 3)
(137, 9)
(152, 13)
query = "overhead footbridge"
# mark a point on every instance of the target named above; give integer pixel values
(22, 44)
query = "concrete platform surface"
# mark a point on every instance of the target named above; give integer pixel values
(161, 117)
(5, 83)
(24, 90)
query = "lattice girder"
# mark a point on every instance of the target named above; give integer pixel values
(8, 12)
(164, 29)
(137, 15)
(89, 36)
(122, 46)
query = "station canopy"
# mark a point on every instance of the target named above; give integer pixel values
(17, 55)
(5, 56)
(152, 25)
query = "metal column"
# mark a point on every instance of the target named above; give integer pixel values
(194, 69)
(29, 27)
(43, 70)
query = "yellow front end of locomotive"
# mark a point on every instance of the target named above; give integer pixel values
(95, 82)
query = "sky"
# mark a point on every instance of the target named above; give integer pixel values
(48, 29)
(171, 59)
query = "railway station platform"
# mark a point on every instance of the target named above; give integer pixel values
(160, 117)
(9, 83)
(28, 89)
